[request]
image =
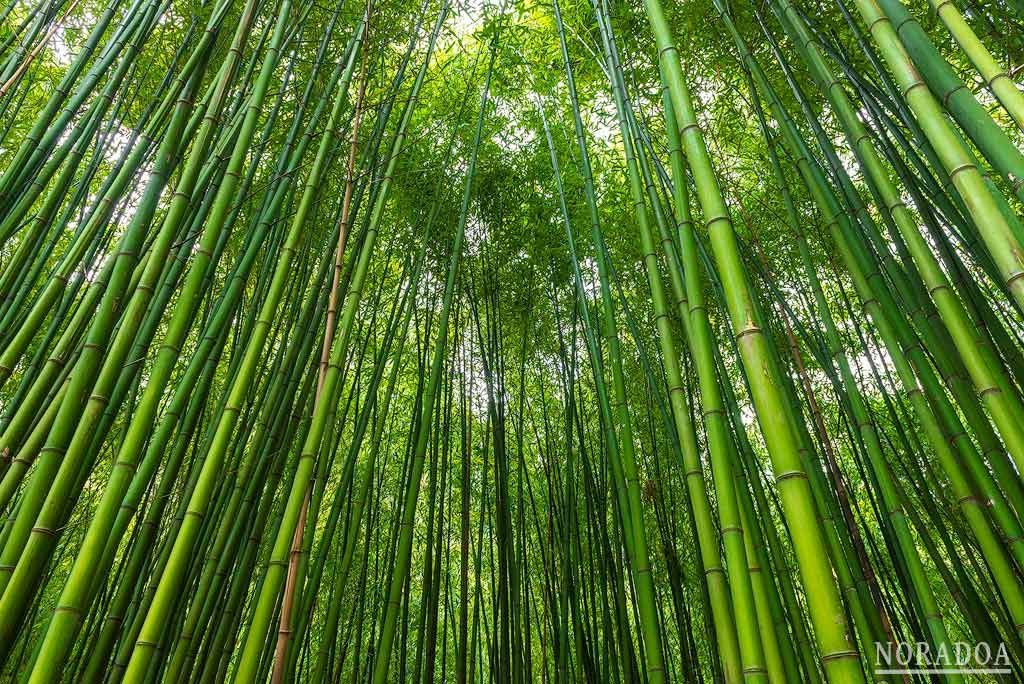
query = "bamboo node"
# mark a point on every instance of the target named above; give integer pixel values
(913, 86)
(878, 20)
(750, 330)
(72, 610)
(962, 167)
(715, 219)
(899, 27)
(838, 655)
(790, 474)
(1001, 74)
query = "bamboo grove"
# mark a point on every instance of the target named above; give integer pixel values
(511, 341)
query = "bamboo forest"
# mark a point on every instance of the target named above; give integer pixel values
(508, 341)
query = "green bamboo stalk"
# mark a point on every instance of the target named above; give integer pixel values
(841, 661)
